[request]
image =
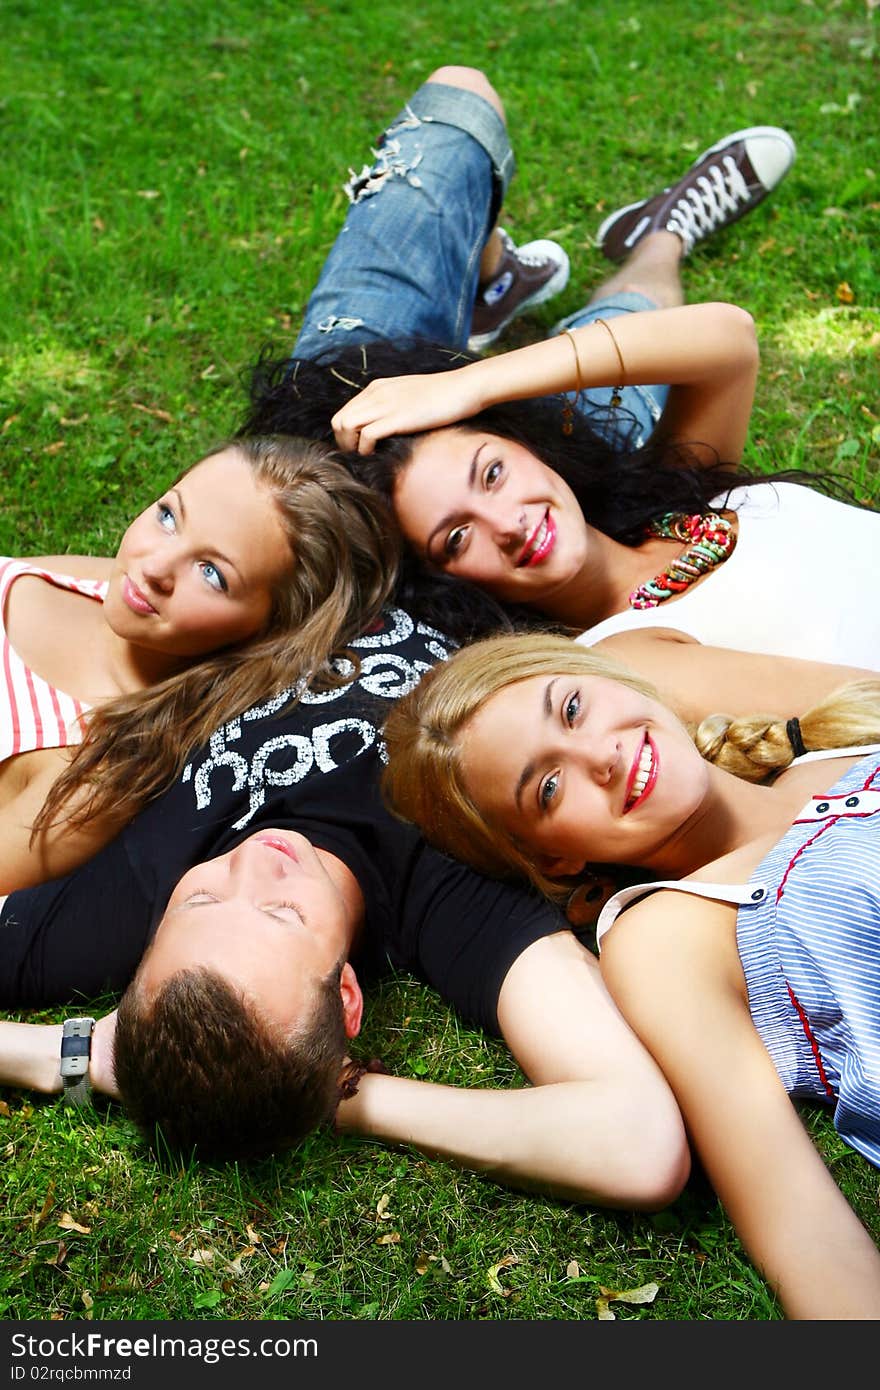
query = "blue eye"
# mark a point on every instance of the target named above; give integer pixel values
(165, 516)
(571, 709)
(549, 788)
(214, 577)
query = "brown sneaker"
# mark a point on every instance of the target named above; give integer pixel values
(725, 183)
(526, 276)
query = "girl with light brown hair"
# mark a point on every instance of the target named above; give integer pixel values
(249, 576)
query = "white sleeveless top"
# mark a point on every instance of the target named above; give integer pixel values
(802, 581)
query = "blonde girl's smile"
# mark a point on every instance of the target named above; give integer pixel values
(581, 769)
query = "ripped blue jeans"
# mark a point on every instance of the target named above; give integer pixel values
(406, 262)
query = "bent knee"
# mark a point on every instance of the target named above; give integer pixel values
(663, 1168)
(472, 80)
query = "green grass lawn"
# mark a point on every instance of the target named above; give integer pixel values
(172, 181)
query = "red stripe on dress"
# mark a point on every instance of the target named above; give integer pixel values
(13, 703)
(35, 708)
(59, 715)
(832, 820)
(791, 863)
(814, 1046)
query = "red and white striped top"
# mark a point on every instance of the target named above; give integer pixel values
(34, 714)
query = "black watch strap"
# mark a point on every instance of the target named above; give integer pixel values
(76, 1052)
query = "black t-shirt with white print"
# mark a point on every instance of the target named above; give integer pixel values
(313, 767)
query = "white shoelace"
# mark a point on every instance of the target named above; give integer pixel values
(707, 204)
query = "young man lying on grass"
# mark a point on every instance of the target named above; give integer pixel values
(261, 890)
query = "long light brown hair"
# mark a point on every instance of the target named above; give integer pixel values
(344, 556)
(425, 781)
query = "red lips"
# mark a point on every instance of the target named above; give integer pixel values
(540, 543)
(635, 771)
(135, 599)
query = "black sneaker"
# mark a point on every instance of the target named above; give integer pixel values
(725, 183)
(527, 275)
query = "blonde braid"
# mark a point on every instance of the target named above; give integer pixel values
(758, 746)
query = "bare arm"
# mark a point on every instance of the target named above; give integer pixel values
(668, 961)
(598, 1124)
(708, 352)
(697, 680)
(55, 851)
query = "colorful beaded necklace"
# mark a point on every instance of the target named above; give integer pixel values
(710, 540)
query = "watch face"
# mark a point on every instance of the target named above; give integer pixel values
(76, 1048)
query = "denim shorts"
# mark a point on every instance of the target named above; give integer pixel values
(632, 422)
(406, 262)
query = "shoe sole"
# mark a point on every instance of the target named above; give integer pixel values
(775, 131)
(555, 285)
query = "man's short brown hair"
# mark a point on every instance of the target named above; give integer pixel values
(200, 1071)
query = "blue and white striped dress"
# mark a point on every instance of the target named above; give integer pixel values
(810, 950)
(808, 936)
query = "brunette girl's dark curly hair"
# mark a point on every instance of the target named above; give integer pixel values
(620, 490)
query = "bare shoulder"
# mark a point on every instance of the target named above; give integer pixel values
(636, 639)
(652, 933)
(77, 566)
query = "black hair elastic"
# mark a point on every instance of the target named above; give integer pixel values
(795, 737)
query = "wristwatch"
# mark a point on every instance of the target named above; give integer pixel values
(76, 1052)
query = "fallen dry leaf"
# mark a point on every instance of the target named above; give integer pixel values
(492, 1275)
(235, 1266)
(67, 1223)
(56, 447)
(423, 1264)
(60, 1255)
(382, 1205)
(389, 1238)
(75, 420)
(573, 1269)
(845, 293)
(10, 420)
(39, 1221)
(646, 1293)
(202, 1257)
(152, 411)
(253, 1236)
(4, 1110)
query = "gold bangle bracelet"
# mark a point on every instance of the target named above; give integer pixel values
(615, 394)
(568, 408)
